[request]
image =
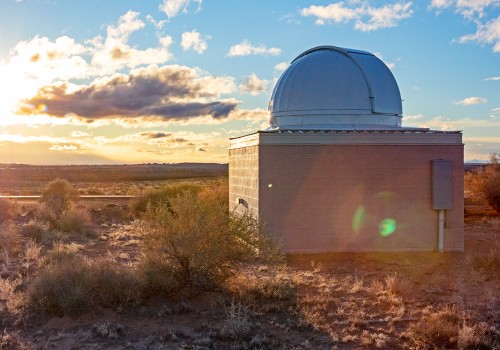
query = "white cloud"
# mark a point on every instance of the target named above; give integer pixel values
(387, 63)
(469, 9)
(439, 4)
(193, 40)
(444, 123)
(473, 100)
(492, 78)
(245, 48)
(114, 53)
(335, 12)
(384, 17)
(366, 17)
(253, 85)
(63, 148)
(280, 67)
(413, 117)
(158, 24)
(495, 113)
(488, 33)
(172, 7)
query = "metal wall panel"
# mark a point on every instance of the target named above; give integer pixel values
(441, 184)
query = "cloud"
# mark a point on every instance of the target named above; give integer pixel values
(79, 134)
(253, 85)
(390, 65)
(495, 113)
(280, 67)
(41, 61)
(63, 148)
(154, 134)
(172, 7)
(413, 117)
(366, 18)
(467, 8)
(158, 24)
(443, 123)
(492, 78)
(475, 11)
(488, 33)
(245, 48)
(473, 100)
(193, 40)
(168, 92)
(114, 53)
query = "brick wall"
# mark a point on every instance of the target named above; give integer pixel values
(243, 179)
(316, 198)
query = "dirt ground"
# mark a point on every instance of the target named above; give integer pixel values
(321, 301)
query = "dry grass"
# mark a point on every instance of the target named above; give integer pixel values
(75, 220)
(70, 284)
(7, 210)
(344, 301)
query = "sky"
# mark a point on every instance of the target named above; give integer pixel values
(169, 81)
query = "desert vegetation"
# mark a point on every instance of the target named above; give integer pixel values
(174, 268)
(483, 185)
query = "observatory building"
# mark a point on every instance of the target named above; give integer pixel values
(337, 172)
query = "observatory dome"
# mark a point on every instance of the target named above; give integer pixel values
(332, 88)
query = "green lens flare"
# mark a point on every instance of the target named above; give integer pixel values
(387, 227)
(357, 219)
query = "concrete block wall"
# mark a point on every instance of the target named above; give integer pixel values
(243, 179)
(318, 198)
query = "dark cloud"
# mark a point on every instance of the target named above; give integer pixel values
(155, 135)
(169, 92)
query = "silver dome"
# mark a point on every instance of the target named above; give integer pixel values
(332, 88)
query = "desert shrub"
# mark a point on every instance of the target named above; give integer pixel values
(484, 184)
(153, 198)
(58, 196)
(10, 240)
(63, 254)
(487, 263)
(268, 287)
(7, 210)
(34, 229)
(65, 288)
(75, 220)
(436, 330)
(192, 240)
(12, 340)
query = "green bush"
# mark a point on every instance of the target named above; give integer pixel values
(192, 240)
(484, 184)
(153, 198)
(58, 197)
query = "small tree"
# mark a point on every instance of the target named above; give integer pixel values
(58, 196)
(194, 240)
(484, 184)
